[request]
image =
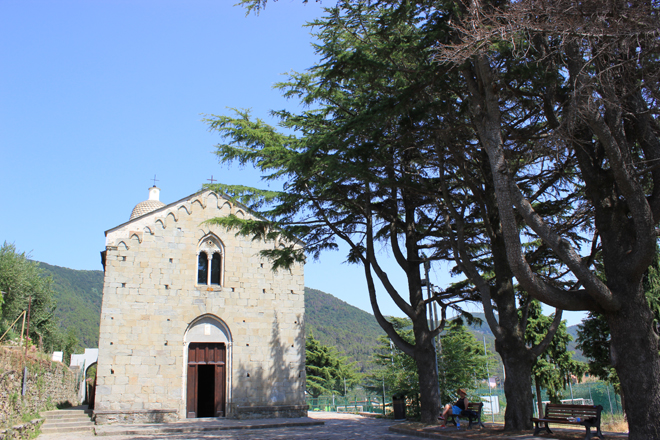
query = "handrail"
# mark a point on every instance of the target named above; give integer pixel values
(12, 325)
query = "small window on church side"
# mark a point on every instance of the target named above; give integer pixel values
(216, 265)
(202, 268)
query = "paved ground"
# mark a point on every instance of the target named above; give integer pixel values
(336, 427)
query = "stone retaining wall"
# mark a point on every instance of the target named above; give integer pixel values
(22, 431)
(49, 385)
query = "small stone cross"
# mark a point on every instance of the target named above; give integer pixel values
(211, 180)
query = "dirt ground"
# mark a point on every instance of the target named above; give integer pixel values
(497, 431)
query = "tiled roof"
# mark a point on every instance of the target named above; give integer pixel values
(145, 207)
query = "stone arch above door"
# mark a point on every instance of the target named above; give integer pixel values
(208, 328)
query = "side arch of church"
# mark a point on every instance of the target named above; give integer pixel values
(153, 307)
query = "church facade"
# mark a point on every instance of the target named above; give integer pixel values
(194, 323)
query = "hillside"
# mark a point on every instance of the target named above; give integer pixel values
(334, 322)
(338, 324)
(78, 295)
(483, 330)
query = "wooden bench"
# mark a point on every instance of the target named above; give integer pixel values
(585, 415)
(473, 416)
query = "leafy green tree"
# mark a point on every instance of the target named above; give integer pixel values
(356, 173)
(22, 282)
(461, 363)
(70, 344)
(370, 169)
(396, 371)
(327, 372)
(556, 366)
(600, 112)
(594, 337)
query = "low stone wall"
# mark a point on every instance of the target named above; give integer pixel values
(108, 417)
(49, 385)
(19, 432)
(268, 412)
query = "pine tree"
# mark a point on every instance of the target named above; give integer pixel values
(327, 372)
(555, 367)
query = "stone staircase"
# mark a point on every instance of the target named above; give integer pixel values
(77, 419)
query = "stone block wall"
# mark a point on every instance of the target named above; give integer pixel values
(49, 384)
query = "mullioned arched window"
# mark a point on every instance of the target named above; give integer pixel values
(210, 261)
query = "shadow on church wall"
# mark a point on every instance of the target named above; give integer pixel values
(280, 384)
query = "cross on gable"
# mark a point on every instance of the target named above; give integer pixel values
(211, 180)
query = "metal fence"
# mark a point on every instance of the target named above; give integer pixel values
(599, 393)
(587, 393)
(355, 404)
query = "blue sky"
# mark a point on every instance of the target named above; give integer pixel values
(97, 97)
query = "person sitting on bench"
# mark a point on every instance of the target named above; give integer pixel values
(457, 408)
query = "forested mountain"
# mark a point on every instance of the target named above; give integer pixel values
(78, 295)
(483, 330)
(353, 332)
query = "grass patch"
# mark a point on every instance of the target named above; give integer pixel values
(31, 416)
(613, 423)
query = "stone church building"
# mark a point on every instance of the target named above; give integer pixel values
(194, 323)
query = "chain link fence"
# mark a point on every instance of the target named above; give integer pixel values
(351, 404)
(587, 393)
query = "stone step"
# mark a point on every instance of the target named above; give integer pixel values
(52, 430)
(66, 412)
(67, 426)
(68, 417)
(67, 420)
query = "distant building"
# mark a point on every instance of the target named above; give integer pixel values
(84, 362)
(194, 323)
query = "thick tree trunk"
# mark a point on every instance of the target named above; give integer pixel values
(634, 349)
(510, 339)
(517, 389)
(425, 358)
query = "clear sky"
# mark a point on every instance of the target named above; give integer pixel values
(97, 97)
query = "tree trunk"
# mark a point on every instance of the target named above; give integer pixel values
(425, 358)
(518, 390)
(634, 349)
(539, 402)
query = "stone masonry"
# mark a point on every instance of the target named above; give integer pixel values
(153, 308)
(48, 384)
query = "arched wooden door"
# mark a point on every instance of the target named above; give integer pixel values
(206, 379)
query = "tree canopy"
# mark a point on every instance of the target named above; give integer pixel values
(327, 372)
(528, 132)
(22, 283)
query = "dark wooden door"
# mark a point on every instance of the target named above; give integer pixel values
(206, 380)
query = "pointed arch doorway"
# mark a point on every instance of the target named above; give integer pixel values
(207, 368)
